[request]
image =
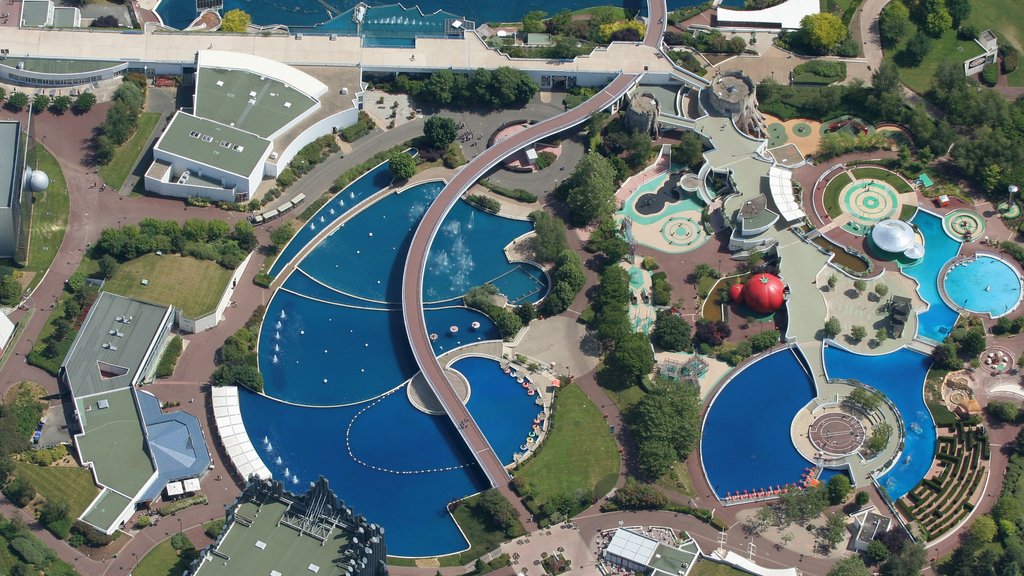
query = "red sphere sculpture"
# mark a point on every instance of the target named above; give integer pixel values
(763, 293)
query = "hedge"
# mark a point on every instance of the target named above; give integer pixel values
(517, 194)
(179, 505)
(485, 203)
(169, 359)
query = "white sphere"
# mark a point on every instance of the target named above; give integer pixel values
(38, 181)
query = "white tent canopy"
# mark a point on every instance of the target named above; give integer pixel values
(780, 181)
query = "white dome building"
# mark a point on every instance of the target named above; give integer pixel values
(38, 180)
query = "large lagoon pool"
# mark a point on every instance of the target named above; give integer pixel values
(939, 248)
(984, 285)
(900, 376)
(334, 356)
(746, 444)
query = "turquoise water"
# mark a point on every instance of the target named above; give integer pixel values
(746, 444)
(985, 285)
(900, 376)
(306, 13)
(939, 249)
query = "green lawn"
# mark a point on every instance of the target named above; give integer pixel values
(709, 568)
(161, 561)
(50, 212)
(948, 47)
(678, 480)
(193, 285)
(127, 154)
(1007, 21)
(73, 484)
(579, 453)
(831, 199)
(899, 184)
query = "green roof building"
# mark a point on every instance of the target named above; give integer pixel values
(43, 14)
(133, 448)
(272, 531)
(12, 166)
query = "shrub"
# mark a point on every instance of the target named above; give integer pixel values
(485, 203)
(545, 159)
(179, 505)
(213, 529)
(637, 496)
(990, 75)
(170, 358)
(286, 178)
(20, 491)
(1007, 412)
(517, 194)
(263, 280)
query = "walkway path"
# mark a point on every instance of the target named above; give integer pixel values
(412, 285)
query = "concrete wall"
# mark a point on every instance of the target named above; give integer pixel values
(193, 326)
(179, 165)
(343, 119)
(176, 190)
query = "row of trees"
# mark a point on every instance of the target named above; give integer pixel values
(17, 101)
(503, 87)
(605, 24)
(237, 360)
(665, 425)
(122, 118)
(203, 239)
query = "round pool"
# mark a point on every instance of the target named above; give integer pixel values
(983, 285)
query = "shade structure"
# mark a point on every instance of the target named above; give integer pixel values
(893, 236)
(916, 251)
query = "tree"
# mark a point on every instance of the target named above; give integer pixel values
(881, 289)
(61, 104)
(1007, 412)
(441, 87)
(973, 343)
(833, 327)
(936, 17)
(40, 103)
(823, 31)
(665, 425)
(763, 340)
(881, 335)
(860, 286)
(945, 356)
(915, 50)
(671, 332)
(236, 21)
(876, 552)
(498, 511)
(704, 271)
(711, 333)
(838, 489)
(632, 357)
(84, 102)
(906, 561)
(849, 566)
(245, 235)
(637, 496)
(959, 11)
(402, 166)
(54, 514)
(983, 530)
(569, 271)
(20, 491)
(862, 498)
(533, 22)
(879, 437)
(893, 23)
(858, 332)
(17, 101)
(281, 235)
(10, 290)
(886, 79)
(440, 131)
(591, 190)
(689, 152)
(549, 240)
(106, 21)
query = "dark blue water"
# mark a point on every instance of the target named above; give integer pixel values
(499, 404)
(179, 13)
(412, 507)
(369, 183)
(939, 249)
(746, 442)
(899, 375)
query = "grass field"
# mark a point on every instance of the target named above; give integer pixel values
(709, 568)
(161, 561)
(899, 184)
(678, 479)
(127, 154)
(831, 199)
(73, 484)
(947, 47)
(50, 212)
(580, 452)
(193, 285)
(1007, 22)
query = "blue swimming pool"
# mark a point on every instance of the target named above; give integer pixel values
(984, 285)
(939, 249)
(746, 444)
(369, 183)
(500, 404)
(900, 376)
